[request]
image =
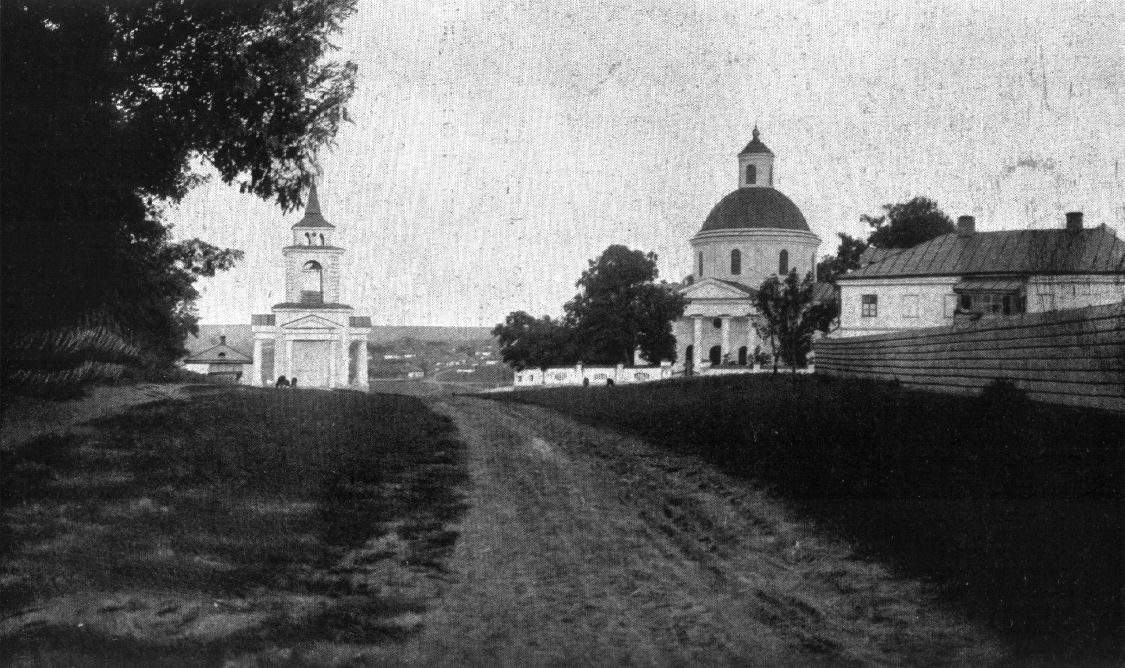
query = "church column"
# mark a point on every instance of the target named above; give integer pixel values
(697, 342)
(725, 336)
(256, 379)
(288, 356)
(345, 355)
(751, 340)
(361, 365)
(333, 362)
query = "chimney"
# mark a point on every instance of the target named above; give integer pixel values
(222, 340)
(966, 226)
(1073, 221)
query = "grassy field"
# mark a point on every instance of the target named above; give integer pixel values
(240, 525)
(1013, 510)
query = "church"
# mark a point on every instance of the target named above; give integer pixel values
(311, 337)
(752, 233)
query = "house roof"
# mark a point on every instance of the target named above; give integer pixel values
(221, 353)
(1089, 251)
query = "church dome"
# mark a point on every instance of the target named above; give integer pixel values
(755, 208)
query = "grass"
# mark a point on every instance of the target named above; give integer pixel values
(301, 516)
(1014, 510)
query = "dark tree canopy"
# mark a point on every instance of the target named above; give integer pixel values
(527, 342)
(901, 225)
(105, 107)
(846, 258)
(788, 316)
(908, 224)
(620, 308)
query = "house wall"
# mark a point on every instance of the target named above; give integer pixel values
(1073, 357)
(934, 297)
(1048, 293)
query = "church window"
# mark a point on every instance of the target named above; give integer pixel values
(869, 306)
(751, 175)
(742, 352)
(322, 240)
(312, 281)
(717, 323)
(736, 261)
(716, 355)
(783, 263)
(700, 268)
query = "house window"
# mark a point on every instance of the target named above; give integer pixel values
(910, 306)
(869, 306)
(736, 261)
(993, 303)
(751, 174)
(700, 263)
(783, 263)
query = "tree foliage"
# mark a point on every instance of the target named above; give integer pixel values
(846, 258)
(788, 316)
(902, 225)
(527, 342)
(907, 224)
(619, 309)
(105, 108)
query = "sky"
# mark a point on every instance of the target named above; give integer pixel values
(496, 147)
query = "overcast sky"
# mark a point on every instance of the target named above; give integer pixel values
(497, 146)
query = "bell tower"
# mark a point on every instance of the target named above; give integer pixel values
(312, 263)
(755, 164)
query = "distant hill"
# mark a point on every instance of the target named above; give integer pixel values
(241, 336)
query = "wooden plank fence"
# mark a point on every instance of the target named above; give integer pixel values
(1074, 357)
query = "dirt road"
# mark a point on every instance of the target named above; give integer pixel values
(586, 548)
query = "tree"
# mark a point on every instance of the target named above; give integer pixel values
(529, 342)
(106, 107)
(620, 308)
(902, 225)
(907, 224)
(846, 258)
(788, 316)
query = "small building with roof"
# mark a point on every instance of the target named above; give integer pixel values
(311, 336)
(967, 275)
(221, 363)
(752, 233)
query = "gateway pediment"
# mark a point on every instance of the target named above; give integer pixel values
(311, 322)
(712, 289)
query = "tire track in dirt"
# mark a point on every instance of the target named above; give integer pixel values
(582, 547)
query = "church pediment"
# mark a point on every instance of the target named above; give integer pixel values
(710, 288)
(311, 322)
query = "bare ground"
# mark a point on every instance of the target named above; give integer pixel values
(582, 547)
(579, 547)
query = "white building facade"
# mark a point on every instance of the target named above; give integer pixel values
(751, 234)
(969, 275)
(311, 336)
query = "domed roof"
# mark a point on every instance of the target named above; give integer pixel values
(755, 208)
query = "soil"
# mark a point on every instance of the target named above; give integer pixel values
(583, 547)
